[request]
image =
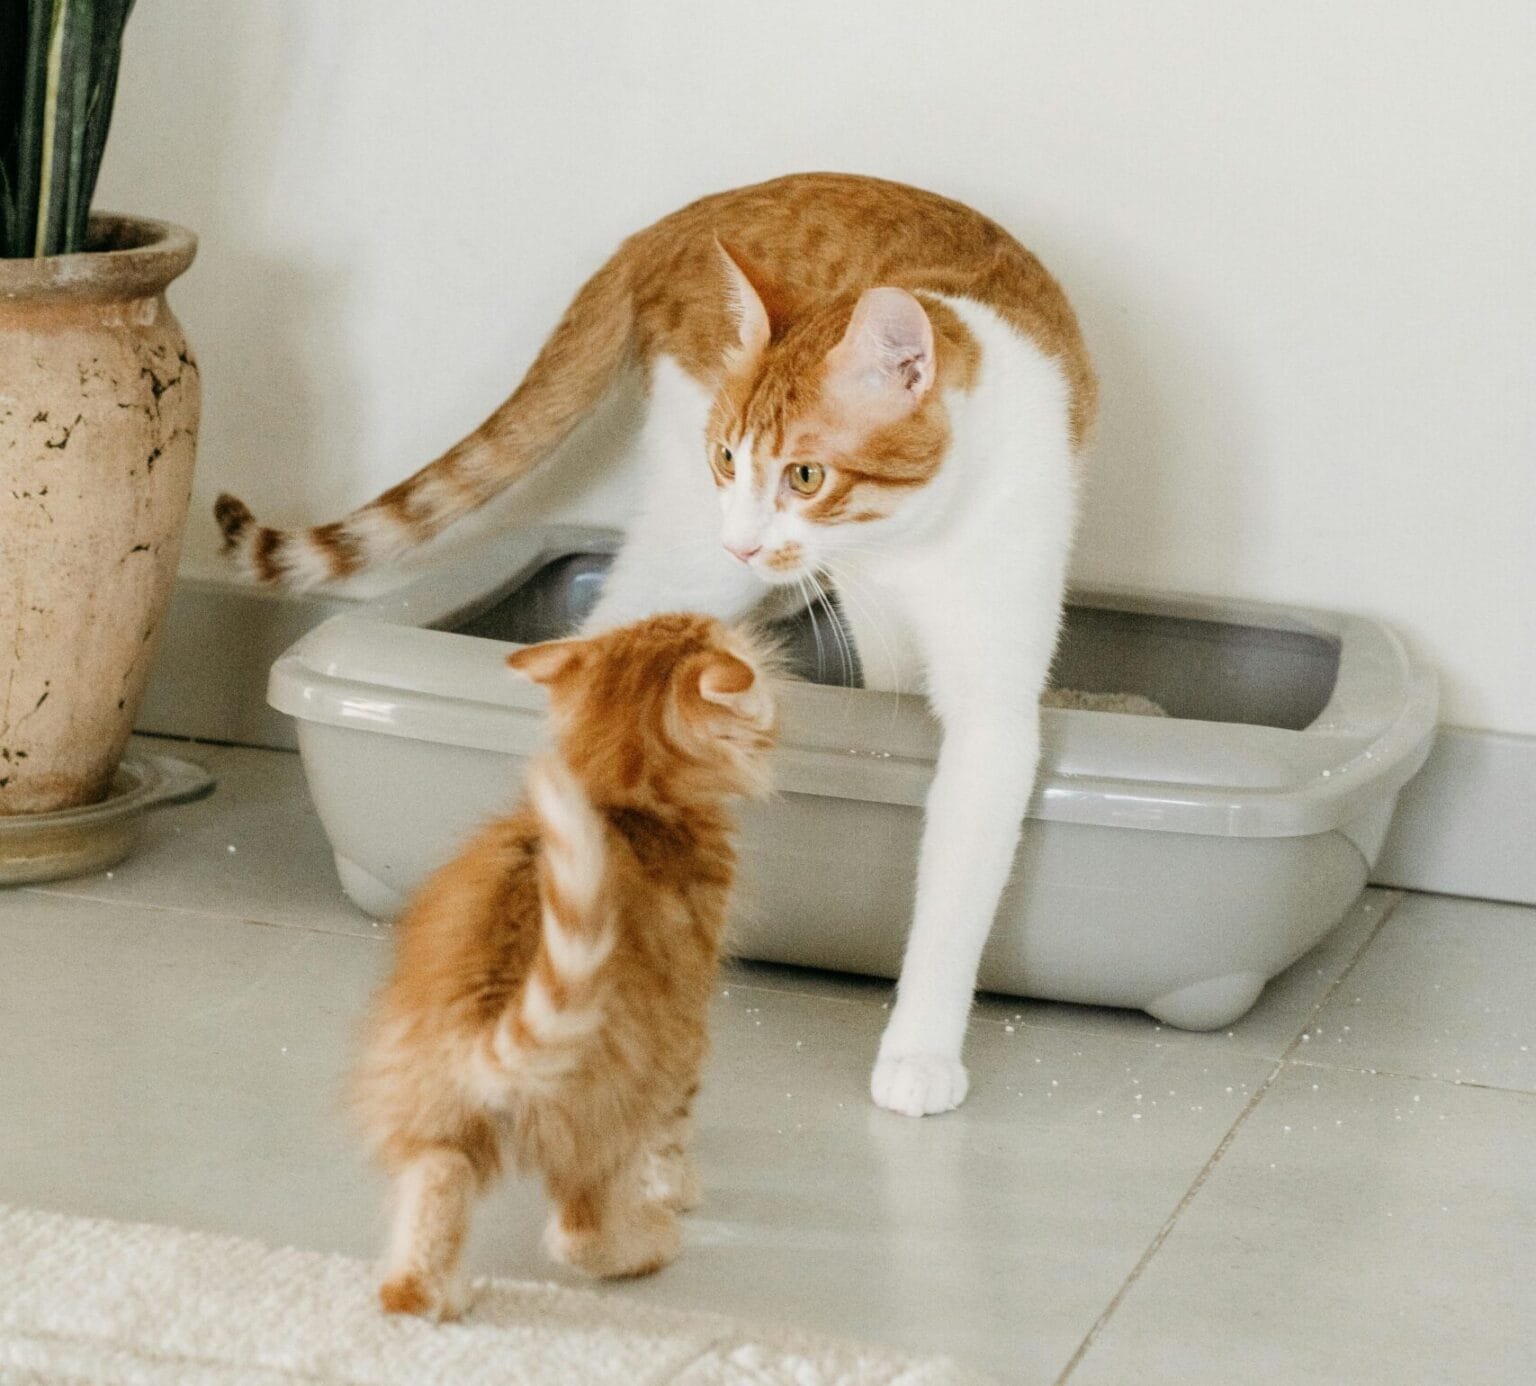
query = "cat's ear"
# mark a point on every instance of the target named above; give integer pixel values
(547, 662)
(730, 682)
(759, 309)
(885, 363)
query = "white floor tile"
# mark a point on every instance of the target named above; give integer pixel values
(180, 1067)
(1369, 1230)
(1447, 990)
(994, 1233)
(280, 869)
(173, 1042)
(186, 1068)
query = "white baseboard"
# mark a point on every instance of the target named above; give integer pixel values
(210, 676)
(1466, 825)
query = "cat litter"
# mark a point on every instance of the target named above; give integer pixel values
(1176, 855)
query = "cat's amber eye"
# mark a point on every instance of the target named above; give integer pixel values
(725, 461)
(805, 478)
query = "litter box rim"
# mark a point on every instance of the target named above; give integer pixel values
(382, 667)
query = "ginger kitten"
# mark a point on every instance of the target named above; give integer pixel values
(551, 985)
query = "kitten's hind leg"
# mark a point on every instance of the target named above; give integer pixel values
(433, 1198)
(670, 1176)
(610, 1229)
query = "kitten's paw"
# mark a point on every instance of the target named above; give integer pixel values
(672, 1180)
(439, 1299)
(918, 1084)
(644, 1240)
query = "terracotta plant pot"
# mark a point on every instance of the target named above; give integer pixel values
(99, 404)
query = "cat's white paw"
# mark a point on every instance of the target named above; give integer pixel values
(918, 1084)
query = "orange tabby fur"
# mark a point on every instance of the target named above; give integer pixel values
(551, 985)
(808, 245)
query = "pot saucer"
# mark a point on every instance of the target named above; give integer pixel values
(78, 841)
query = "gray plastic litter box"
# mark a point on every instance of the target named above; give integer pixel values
(1173, 864)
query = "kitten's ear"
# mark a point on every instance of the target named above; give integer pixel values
(730, 682)
(547, 662)
(885, 363)
(757, 307)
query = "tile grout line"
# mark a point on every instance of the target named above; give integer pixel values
(1259, 1093)
(1163, 1232)
(47, 893)
(1411, 1077)
(804, 993)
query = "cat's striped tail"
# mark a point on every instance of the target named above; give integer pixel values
(550, 1023)
(566, 381)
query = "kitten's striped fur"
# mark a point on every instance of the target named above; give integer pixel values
(542, 1037)
(551, 984)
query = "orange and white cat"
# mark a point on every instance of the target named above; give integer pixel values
(847, 379)
(551, 985)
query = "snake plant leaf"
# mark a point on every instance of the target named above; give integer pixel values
(106, 55)
(23, 57)
(58, 78)
(13, 54)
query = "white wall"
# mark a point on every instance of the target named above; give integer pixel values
(1300, 237)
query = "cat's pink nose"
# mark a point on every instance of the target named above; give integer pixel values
(742, 551)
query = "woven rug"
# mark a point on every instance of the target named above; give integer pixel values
(87, 1300)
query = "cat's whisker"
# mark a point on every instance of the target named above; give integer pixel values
(849, 660)
(836, 619)
(874, 616)
(868, 609)
(808, 583)
(810, 607)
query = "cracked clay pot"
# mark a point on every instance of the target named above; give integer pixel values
(99, 401)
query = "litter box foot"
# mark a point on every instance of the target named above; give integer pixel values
(1210, 1004)
(367, 891)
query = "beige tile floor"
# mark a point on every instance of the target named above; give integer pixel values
(1340, 1189)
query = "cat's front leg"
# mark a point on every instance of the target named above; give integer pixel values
(982, 783)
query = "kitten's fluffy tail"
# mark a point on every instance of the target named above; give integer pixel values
(549, 1024)
(570, 375)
